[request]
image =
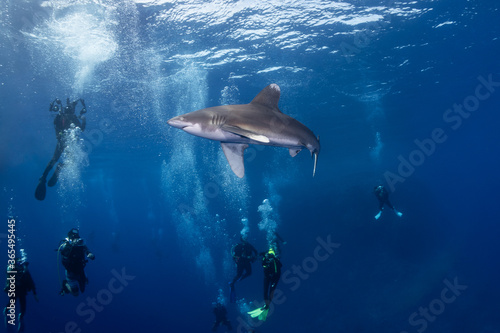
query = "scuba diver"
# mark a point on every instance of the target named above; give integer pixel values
(383, 199)
(272, 273)
(220, 313)
(74, 255)
(19, 282)
(64, 120)
(243, 255)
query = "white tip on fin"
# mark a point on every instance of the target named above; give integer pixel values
(259, 138)
(246, 133)
(315, 155)
(269, 96)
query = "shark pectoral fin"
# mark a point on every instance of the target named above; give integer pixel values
(234, 154)
(247, 134)
(294, 151)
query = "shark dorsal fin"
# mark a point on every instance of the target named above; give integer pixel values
(269, 97)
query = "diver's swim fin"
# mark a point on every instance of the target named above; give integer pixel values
(263, 315)
(41, 190)
(260, 313)
(378, 215)
(256, 312)
(55, 175)
(232, 294)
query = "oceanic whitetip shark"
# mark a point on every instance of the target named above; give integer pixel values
(259, 122)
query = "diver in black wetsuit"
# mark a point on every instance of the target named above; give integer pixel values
(243, 255)
(220, 313)
(64, 120)
(383, 199)
(74, 255)
(272, 273)
(23, 283)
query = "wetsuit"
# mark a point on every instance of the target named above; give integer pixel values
(272, 273)
(62, 122)
(243, 255)
(383, 197)
(24, 283)
(74, 254)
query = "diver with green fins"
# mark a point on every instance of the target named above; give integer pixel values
(272, 273)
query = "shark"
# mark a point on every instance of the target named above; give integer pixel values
(259, 122)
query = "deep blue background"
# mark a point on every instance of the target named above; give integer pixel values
(164, 205)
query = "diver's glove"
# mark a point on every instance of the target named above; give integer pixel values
(91, 256)
(56, 105)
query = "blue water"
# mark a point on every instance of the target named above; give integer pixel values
(403, 93)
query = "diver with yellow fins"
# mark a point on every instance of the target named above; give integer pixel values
(272, 273)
